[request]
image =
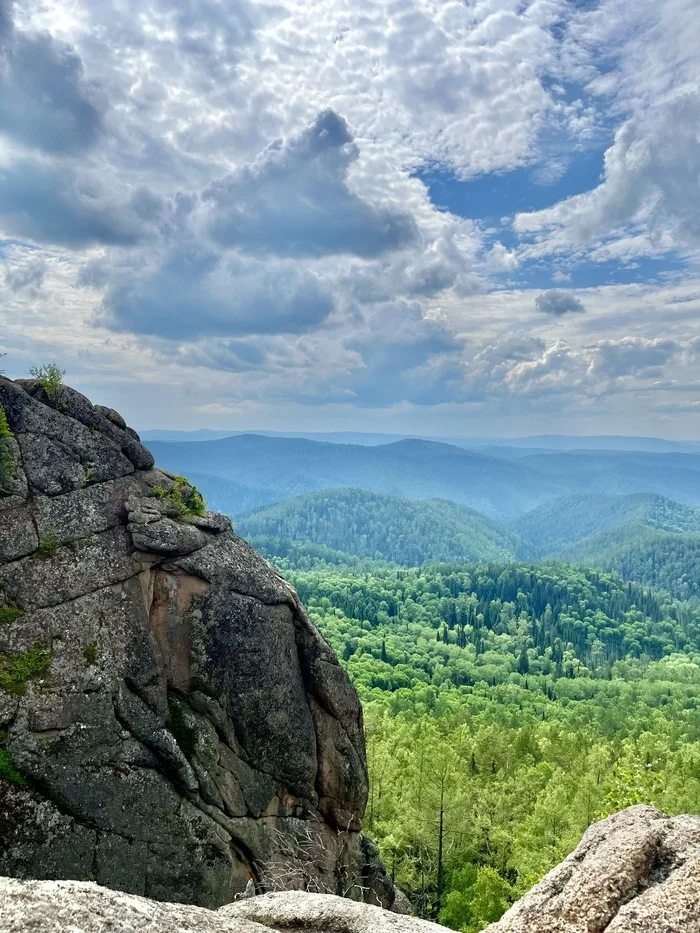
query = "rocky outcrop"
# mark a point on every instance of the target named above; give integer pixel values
(171, 723)
(638, 871)
(295, 912)
(57, 906)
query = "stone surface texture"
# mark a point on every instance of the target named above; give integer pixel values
(637, 871)
(58, 906)
(179, 726)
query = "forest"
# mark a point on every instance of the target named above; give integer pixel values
(646, 538)
(507, 706)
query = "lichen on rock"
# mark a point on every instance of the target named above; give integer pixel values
(184, 729)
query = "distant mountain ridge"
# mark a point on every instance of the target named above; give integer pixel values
(503, 487)
(539, 442)
(416, 469)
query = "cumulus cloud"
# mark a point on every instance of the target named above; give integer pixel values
(294, 200)
(192, 291)
(634, 356)
(651, 176)
(593, 370)
(639, 64)
(251, 253)
(50, 202)
(45, 101)
(557, 302)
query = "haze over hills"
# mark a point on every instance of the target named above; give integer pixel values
(541, 442)
(564, 521)
(501, 487)
(414, 468)
(230, 497)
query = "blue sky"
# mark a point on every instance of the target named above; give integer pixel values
(433, 216)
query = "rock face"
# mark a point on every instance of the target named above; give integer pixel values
(171, 723)
(57, 906)
(638, 871)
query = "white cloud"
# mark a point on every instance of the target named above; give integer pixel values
(651, 178)
(237, 182)
(651, 174)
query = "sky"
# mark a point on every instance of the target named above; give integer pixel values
(418, 216)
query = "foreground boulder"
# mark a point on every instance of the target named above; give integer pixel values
(171, 723)
(57, 906)
(638, 871)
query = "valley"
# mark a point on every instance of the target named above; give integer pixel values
(523, 629)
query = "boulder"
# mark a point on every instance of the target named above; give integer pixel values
(171, 722)
(637, 871)
(57, 906)
(296, 912)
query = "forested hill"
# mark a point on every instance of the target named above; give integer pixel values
(646, 538)
(562, 521)
(665, 559)
(382, 527)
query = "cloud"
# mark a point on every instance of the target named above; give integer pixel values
(315, 268)
(640, 357)
(651, 177)
(192, 291)
(28, 275)
(45, 102)
(294, 200)
(50, 202)
(557, 303)
(590, 371)
(259, 251)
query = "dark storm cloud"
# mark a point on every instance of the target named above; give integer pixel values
(558, 302)
(45, 102)
(294, 200)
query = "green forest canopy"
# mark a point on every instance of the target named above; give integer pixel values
(511, 704)
(382, 527)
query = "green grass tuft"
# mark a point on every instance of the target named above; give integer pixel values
(50, 377)
(90, 654)
(47, 547)
(7, 461)
(18, 668)
(8, 614)
(8, 772)
(184, 500)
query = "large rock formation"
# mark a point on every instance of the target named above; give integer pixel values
(171, 723)
(638, 871)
